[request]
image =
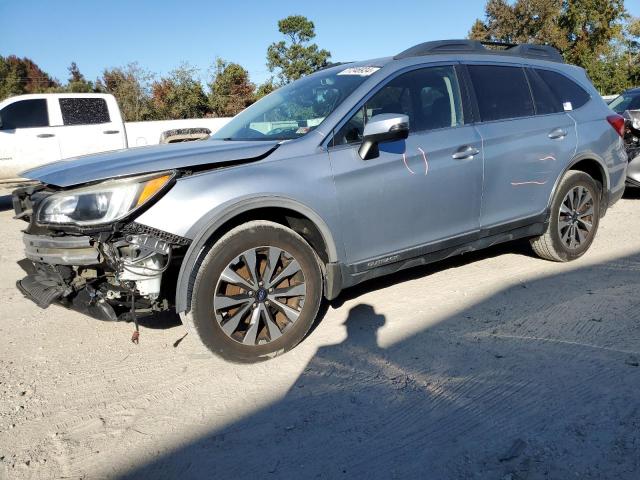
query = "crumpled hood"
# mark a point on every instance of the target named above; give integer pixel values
(140, 160)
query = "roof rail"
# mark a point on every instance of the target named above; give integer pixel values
(527, 50)
(498, 44)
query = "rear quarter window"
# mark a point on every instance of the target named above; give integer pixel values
(502, 92)
(566, 90)
(84, 111)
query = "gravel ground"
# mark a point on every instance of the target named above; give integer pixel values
(492, 365)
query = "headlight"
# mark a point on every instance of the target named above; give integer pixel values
(101, 203)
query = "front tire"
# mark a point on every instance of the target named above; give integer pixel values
(575, 215)
(256, 293)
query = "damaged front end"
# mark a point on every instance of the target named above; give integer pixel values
(111, 270)
(632, 146)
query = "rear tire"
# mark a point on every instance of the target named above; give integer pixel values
(270, 308)
(575, 215)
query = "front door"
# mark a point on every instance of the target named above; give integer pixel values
(26, 139)
(415, 192)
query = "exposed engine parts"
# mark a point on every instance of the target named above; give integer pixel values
(141, 259)
(632, 133)
(109, 278)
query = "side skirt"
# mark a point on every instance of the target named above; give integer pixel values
(424, 255)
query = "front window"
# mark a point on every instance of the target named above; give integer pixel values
(430, 97)
(295, 109)
(25, 114)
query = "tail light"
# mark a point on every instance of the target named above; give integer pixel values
(617, 122)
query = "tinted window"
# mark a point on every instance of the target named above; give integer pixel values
(566, 90)
(544, 99)
(429, 96)
(25, 114)
(502, 92)
(84, 111)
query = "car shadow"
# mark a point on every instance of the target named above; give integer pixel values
(537, 380)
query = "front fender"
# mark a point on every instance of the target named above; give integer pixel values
(210, 224)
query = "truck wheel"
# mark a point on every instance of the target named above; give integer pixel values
(256, 293)
(575, 214)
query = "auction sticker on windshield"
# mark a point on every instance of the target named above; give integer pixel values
(361, 71)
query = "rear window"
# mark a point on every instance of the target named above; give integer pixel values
(84, 111)
(25, 114)
(502, 92)
(567, 91)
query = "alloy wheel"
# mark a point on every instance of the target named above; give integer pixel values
(575, 219)
(259, 295)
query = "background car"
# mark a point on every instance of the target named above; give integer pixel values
(629, 100)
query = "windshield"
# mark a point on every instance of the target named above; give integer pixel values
(295, 109)
(626, 101)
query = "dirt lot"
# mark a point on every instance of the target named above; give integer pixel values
(492, 365)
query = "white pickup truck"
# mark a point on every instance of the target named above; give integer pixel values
(41, 128)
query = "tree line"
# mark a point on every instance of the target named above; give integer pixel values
(598, 35)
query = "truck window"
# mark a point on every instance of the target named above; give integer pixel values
(84, 111)
(25, 114)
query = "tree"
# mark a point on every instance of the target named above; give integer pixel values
(179, 96)
(587, 32)
(265, 88)
(131, 87)
(231, 90)
(296, 57)
(632, 50)
(21, 75)
(77, 83)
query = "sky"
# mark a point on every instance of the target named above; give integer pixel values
(162, 34)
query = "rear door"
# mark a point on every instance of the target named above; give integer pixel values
(415, 193)
(526, 143)
(88, 127)
(26, 137)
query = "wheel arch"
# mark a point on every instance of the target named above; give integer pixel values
(592, 165)
(300, 218)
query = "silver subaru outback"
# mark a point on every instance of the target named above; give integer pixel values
(356, 171)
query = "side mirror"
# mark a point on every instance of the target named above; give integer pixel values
(386, 127)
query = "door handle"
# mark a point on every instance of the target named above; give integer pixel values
(45, 135)
(465, 152)
(557, 134)
(111, 132)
